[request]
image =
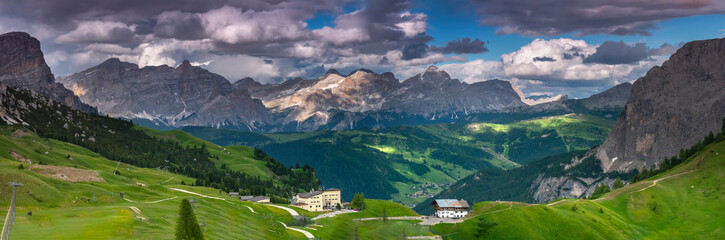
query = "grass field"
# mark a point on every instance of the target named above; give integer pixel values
(685, 203)
(344, 227)
(94, 210)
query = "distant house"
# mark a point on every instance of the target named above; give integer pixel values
(258, 199)
(234, 194)
(449, 208)
(326, 199)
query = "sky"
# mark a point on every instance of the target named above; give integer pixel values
(543, 47)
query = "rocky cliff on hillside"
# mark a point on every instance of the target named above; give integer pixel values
(22, 65)
(671, 108)
(186, 95)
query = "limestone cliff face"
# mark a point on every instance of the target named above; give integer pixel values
(22, 65)
(671, 108)
(181, 96)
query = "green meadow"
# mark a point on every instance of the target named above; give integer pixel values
(94, 210)
(685, 203)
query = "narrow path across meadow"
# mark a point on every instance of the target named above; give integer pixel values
(306, 233)
(198, 194)
(289, 210)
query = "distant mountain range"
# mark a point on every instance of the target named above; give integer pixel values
(164, 97)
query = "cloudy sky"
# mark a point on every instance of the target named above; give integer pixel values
(544, 47)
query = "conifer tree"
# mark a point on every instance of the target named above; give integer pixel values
(187, 228)
(617, 183)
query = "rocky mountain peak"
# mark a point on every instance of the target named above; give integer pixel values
(364, 70)
(22, 65)
(333, 71)
(434, 73)
(185, 66)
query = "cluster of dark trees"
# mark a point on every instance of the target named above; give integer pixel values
(358, 201)
(601, 189)
(303, 178)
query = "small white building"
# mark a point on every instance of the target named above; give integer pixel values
(450, 208)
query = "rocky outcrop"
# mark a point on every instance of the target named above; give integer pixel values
(22, 65)
(181, 96)
(671, 108)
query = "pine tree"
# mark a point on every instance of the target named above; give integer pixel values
(617, 183)
(187, 228)
(358, 201)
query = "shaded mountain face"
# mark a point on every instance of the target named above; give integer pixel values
(181, 96)
(672, 107)
(22, 65)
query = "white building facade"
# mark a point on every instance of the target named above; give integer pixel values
(450, 208)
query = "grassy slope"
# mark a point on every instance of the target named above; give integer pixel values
(63, 210)
(344, 227)
(686, 203)
(407, 156)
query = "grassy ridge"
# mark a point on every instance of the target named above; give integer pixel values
(66, 210)
(388, 163)
(685, 203)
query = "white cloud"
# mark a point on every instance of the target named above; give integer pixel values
(341, 36)
(108, 48)
(413, 24)
(235, 67)
(475, 71)
(234, 26)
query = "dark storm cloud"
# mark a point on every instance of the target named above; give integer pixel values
(179, 25)
(544, 59)
(611, 52)
(618, 53)
(665, 49)
(617, 17)
(415, 50)
(462, 46)
(64, 11)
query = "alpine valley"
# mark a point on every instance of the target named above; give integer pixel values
(109, 152)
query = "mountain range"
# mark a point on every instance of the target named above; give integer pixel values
(164, 97)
